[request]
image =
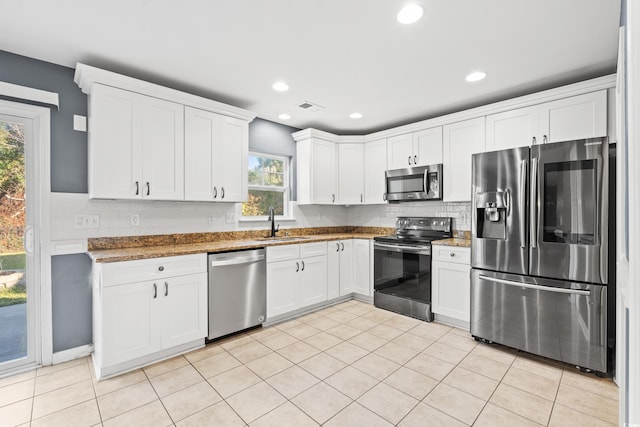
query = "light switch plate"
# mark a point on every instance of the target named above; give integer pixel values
(135, 219)
(79, 123)
(230, 217)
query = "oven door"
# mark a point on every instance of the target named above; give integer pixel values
(569, 207)
(402, 271)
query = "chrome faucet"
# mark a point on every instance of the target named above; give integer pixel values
(272, 218)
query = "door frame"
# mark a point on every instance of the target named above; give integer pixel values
(41, 186)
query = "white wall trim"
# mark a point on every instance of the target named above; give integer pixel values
(87, 75)
(29, 94)
(72, 353)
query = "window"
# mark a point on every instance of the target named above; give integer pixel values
(268, 185)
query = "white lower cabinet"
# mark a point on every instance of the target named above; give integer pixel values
(450, 284)
(340, 267)
(296, 277)
(139, 321)
(362, 274)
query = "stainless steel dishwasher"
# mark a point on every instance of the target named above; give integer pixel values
(237, 291)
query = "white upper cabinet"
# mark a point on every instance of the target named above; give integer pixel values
(136, 146)
(316, 161)
(375, 165)
(400, 152)
(415, 149)
(460, 141)
(427, 147)
(216, 149)
(350, 174)
(576, 117)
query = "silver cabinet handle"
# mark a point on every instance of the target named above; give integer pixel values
(166, 289)
(409, 161)
(215, 192)
(297, 266)
(361, 198)
(342, 245)
(148, 188)
(137, 187)
(522, 202)
(222, 192)
(155, 291)
(333, 198)
(534, 200)
(337, 246)
(532, 286)
(544, 139)
(302, 262)
(415, 160)
(533, 141)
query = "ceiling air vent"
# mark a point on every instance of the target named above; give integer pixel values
(310, 106)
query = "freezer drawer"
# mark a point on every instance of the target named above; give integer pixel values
(565, 321)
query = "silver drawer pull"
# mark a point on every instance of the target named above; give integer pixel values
(537, 287)
(161, 268)
(452, 254)
(155, 291)
(166, 289)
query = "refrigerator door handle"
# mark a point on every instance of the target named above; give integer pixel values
(532, 286)
(522, 203)
(534, 201)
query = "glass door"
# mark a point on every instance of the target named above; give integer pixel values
(570, 210)
(17, 293)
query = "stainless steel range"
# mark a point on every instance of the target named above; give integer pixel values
(402, 266)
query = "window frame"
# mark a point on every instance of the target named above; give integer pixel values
(286, 188)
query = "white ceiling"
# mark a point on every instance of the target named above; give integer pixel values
(346, 55)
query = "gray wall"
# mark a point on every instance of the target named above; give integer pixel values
(273, 138)
(71, 298)
(68, 147)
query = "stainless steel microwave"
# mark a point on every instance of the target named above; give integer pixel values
(411, 184)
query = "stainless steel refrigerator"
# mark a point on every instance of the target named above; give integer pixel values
(540, 250)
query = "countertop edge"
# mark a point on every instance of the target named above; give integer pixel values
(455, 241)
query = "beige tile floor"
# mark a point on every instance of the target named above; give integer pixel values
(348, 365)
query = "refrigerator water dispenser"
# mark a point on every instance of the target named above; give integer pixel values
(492, 214)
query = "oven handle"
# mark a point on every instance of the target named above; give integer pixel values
(538, 287)
(401, 248)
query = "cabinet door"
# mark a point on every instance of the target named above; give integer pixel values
(312, 281)
(460, 141)
(333, 269)
(351, 174)
(129, 321)
(115, 157)
(577, 117)
(346, 267)
(400, 152)
(450, 290)
(427, 147)
(184, 309)
(324, 172)
(159, 125)
(375, 165)
(515, 128)
(231, 161)
(201, 136)
(282, 277)
(362, 267)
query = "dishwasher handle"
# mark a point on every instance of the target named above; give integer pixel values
(236, 260)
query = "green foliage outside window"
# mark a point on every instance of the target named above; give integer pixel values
(12, 187)
(267, 185)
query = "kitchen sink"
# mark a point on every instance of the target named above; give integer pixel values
(281, 239)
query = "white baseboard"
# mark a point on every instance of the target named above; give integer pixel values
(72, 353)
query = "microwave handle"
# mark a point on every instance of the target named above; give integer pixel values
(426, 182)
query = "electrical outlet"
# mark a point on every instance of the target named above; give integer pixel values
(231, 217)
(87, 221)
(212, 219)
(135, 219)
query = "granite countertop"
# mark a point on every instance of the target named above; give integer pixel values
(455, 241)
(135, 248)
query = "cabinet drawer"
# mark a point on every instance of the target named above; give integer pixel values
(152, 269)
(451, 254)
(313, 249)
(283, 253)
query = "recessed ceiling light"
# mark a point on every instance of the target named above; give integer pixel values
(409, 14)
(355, 115)
(284, 116)
(280, 86)
(476, 76)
